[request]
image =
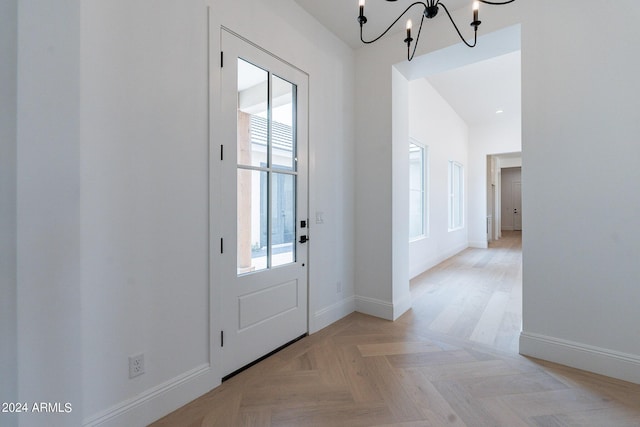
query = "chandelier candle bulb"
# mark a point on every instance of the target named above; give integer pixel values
(361, 18)
(476, 6)
(409, 25)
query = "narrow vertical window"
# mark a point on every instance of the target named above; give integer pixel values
(456, 196)
(417, 190)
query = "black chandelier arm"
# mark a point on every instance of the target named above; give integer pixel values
(392, 24)
(475, 33)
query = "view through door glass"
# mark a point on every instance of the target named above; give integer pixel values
(266, 170)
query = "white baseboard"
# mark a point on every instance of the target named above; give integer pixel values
(333, 313)
(623, 366)
(383, 309)
(157, 401)
(374, 307)
(370, 306)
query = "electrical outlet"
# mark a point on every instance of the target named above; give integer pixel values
(136, 365)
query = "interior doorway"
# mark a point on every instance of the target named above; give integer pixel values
(455, 113)
(504, 194)
(477, 106)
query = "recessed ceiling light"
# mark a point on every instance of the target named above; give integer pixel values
(499, 111)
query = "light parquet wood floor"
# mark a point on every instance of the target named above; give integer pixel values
(475, 295)
(450, 361)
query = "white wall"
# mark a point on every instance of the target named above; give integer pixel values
(49, 287)
(373, 252)
(579, 120)
(435, 124)
(116, 195)
(401, 295)
(510, 161)
(144, 193)
(8, 319)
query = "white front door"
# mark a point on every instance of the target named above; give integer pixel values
(264, 108)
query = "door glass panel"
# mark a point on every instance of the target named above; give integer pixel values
(253, 103)
(283, 140)
(283, 219)
(252, 220)
(266, 169)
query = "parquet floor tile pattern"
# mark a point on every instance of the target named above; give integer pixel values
(450, 361)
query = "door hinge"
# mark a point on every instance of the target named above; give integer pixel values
(221, 338)
(221, 245)
(221, 59)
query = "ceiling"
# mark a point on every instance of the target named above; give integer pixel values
(475, 91)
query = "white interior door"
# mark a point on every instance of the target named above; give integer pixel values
(517, 206)
(264, 108)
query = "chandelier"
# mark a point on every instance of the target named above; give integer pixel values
(431, 8)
